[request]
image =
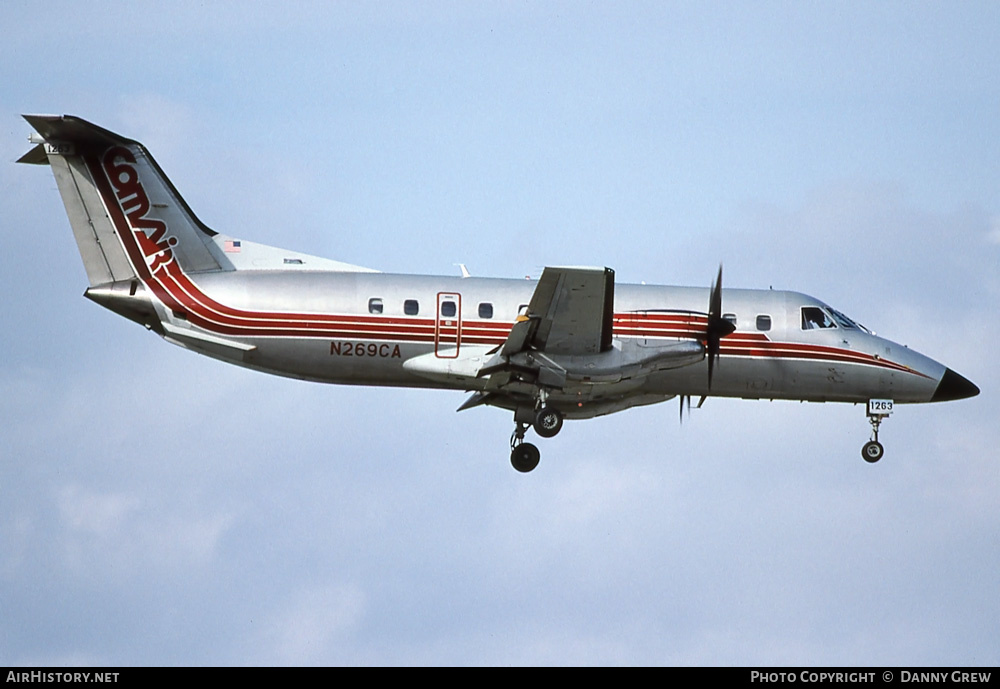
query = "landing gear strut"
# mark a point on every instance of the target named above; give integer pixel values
(877, 410)
(523, 456)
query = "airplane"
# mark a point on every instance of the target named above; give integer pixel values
(571, 345)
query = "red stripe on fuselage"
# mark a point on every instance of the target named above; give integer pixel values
(179, 293)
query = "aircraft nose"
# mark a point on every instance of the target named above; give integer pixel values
(954, 387)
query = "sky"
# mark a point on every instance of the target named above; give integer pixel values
(161, 508)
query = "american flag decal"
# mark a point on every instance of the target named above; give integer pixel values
(231, 246)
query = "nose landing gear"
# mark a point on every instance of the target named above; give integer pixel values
(877, 411)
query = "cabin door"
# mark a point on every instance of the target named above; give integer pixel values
(448, 325)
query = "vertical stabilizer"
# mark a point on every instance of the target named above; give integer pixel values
(126, 216)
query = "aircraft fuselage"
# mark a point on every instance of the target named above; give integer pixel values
(353, 328)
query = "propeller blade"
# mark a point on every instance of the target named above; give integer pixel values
(682, 401)
(715, 303)
(717, 328)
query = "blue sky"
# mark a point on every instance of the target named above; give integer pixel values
(161, 508)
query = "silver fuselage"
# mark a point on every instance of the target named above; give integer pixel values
(352, 345)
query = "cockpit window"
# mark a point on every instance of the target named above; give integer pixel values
(814, 318)
(845, 322)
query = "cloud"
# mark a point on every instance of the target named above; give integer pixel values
(125, 534)
(993, 236)
(309, 626)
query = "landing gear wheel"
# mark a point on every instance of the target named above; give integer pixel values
(548, 422)
(872, 451)
(524, 457)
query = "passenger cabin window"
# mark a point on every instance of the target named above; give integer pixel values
(375, 305)
(486, 310)
(815, 318)
(763, 322)
(522, 310)
(731, 317)
(411, 307)
(448, 309)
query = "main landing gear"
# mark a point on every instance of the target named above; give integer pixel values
(877, 411)
(523, 456)
(547, 422)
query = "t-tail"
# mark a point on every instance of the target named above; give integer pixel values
(129, 221)
(134, 231)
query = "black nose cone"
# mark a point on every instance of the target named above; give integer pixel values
(954, 387)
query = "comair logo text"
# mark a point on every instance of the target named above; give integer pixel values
(150, 233)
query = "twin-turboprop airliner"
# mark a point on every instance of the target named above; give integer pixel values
(571, 345)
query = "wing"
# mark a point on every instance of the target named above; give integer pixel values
(571, 312)
(564, 345)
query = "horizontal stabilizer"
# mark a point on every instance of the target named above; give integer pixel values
(36, 156)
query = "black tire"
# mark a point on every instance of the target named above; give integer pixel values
(872, 451)
(548, 422)
(525, 457)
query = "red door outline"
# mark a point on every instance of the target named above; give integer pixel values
(448, 329)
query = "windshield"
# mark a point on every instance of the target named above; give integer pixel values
(820, 318)
(846, 322)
